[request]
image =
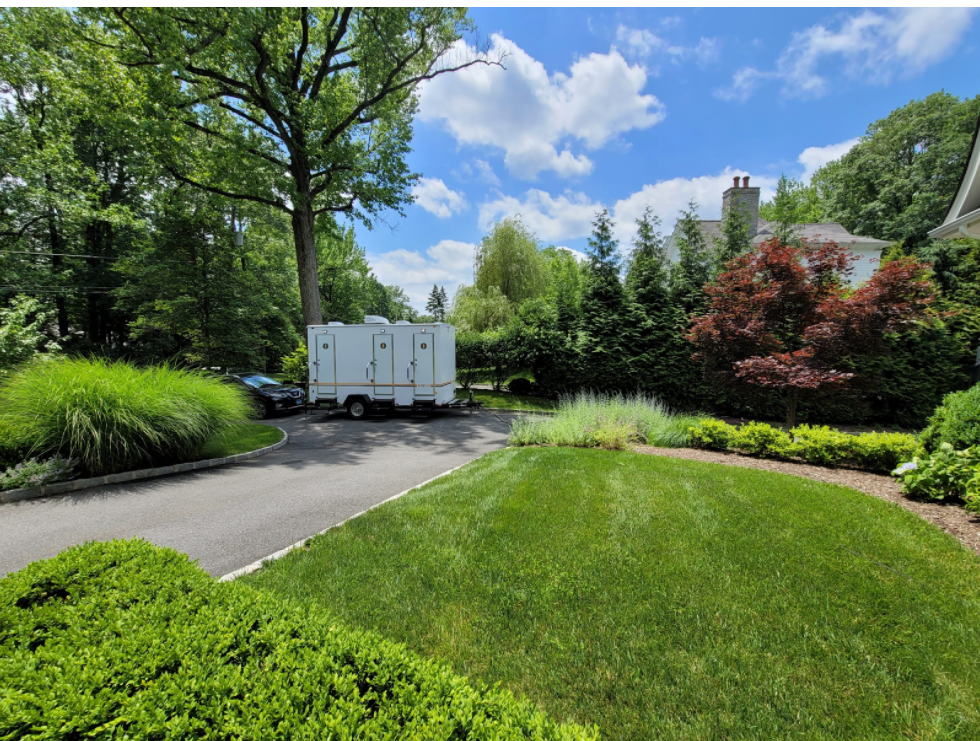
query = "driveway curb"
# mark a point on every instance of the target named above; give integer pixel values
(257, 565)
(65, 487)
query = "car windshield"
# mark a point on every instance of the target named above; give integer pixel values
(257, 382)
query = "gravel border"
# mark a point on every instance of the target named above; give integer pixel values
(952, 518)
(64, 487)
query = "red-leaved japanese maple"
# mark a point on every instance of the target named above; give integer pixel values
(783, 317)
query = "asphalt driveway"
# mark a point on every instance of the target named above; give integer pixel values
(229, 517)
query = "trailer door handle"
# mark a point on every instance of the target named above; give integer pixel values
(366, 376)
(408, 372)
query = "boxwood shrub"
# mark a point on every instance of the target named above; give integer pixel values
(873, 451)
(126, 640)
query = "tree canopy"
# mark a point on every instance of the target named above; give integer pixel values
(314, 104)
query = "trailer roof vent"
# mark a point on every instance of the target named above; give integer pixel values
(403, 321)
(335, 324)
(371, 319)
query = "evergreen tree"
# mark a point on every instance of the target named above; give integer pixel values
(735, 237)
(604, 340)
(436, 305)
(661, 358)
(693, 268)
(784, 212)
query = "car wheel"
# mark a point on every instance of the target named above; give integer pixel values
(357, 409)
(259, 410)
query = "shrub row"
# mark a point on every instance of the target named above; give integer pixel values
(126, 640)
(114, 416)
(874, 451)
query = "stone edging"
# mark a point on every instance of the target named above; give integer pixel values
(64, 487)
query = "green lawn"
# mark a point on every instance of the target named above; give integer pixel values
(241, 439)
(507, 400)
(668, 599)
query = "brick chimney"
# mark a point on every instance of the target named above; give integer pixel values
(745, 199)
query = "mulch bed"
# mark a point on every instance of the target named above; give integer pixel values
(962, 525)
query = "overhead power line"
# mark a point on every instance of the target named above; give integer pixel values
(55, 254)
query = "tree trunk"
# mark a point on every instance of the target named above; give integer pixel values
(309, 281)
(792, 397)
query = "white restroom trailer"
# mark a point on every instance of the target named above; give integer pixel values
(379, 365)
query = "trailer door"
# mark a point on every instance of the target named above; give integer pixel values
(326, 365)
(384, 365)
(425, 370)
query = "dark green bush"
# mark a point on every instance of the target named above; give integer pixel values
(114, 416)
(126, 640)
(956, 422)
(13, 447)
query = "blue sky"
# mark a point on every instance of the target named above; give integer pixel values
(634, 107)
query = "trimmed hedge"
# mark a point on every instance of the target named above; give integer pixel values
(126, 640)
(823, 446)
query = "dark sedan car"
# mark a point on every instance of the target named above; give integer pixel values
(268, 395)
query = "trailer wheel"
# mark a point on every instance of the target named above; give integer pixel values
(357, 409)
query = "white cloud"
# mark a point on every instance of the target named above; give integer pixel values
(535, 117)
(437, 198)
(813, 158)
(448, 263)
(642, 43)
(551, 218)
(487, 175)
(874, 46)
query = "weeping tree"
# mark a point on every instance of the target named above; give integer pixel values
(304, 110)
(509, 259)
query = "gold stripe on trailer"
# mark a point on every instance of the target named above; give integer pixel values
(383, 385)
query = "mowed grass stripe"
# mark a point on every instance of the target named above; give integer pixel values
(665, 598)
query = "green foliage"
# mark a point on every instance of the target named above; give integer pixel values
(881, 451)
(588, 420)
(897, 183)
(489, 355)
(480, 311)
(566, 281)
(956, 422)
(542, 346)
(438, 303)
(946, 473)
(873, 451)
(198, 297)
(713, 434)
(14, 447)
(296, 365)
(34, 472)
(605, 335)
(123, 637)
(694, 262)
(509, 260)
(736, 238)
(762, 440)
(22, 334)
(793, 203)
(116, 417)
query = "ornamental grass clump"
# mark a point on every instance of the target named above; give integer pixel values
(114, 416)
(589, 420)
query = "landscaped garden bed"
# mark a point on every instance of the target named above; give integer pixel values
(73, 418)
(663, 598)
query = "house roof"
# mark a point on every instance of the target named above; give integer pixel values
(963, 217)
(828, 231)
